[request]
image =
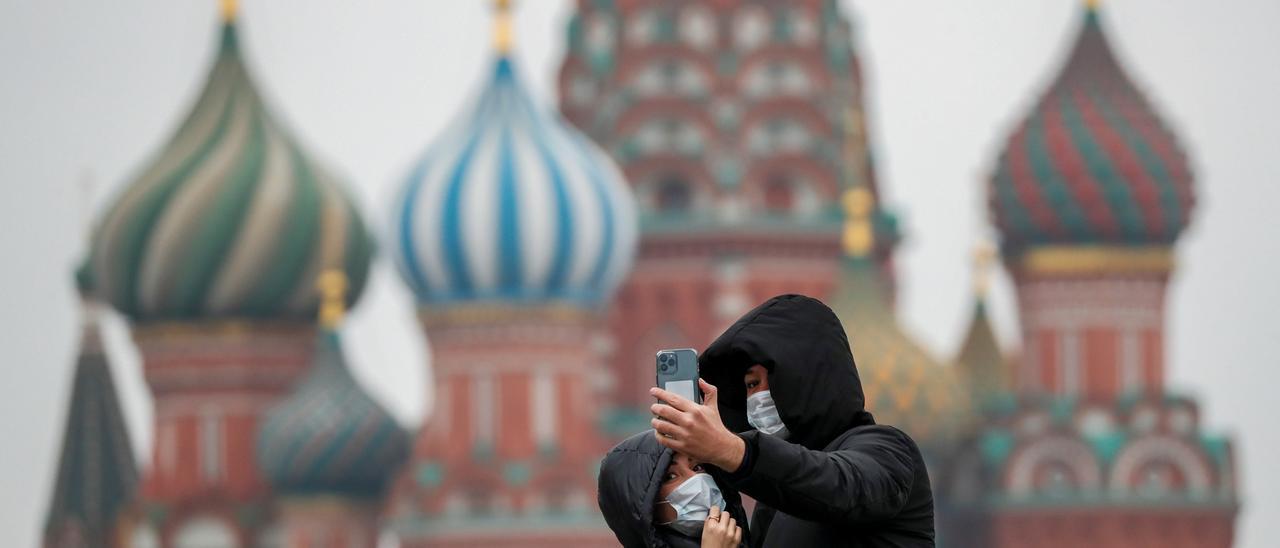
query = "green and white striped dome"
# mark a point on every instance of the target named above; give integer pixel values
(231, 219)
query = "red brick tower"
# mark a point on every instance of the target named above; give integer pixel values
(513, 232)
(1089, 197)
(213, 253)
(738, 125)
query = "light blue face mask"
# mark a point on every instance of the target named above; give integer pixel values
(762, 413)
(692, 501)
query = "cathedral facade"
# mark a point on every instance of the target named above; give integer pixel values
(704, 157)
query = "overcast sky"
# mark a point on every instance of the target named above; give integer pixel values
(91, 89)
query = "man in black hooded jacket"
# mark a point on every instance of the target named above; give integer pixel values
(838, 479)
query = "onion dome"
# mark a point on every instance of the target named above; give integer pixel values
(512, 204)
(1092, 163)
(329, 437)
(904, 386)
(230, 219)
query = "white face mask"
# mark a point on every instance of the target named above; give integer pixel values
(763, 415)
(692, 501)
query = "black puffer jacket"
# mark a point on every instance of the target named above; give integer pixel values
(839, 479)
(628, 488)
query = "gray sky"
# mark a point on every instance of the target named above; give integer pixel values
(91, 89)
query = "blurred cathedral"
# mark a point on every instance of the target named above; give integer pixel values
(706, 156)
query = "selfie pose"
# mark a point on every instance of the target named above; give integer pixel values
(783, 420)
(652, 497)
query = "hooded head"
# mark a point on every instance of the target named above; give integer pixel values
(631, 476)
(812, 376)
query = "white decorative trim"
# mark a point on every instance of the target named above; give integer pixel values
(542, 412)
(230, 404)
(1053, 304)
(1130, 360)
(1161, 448)
(1070, 364)
(211, 446)
(1069, 453)
(1031, 366)
(168, 446)
(441, 420)
(484, 408)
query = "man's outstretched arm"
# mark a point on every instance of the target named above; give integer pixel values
(868, 479)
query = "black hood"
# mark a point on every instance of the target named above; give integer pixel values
(812, 376)
(630, 476)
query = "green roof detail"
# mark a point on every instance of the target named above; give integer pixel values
(516, 473)
(230, 218)
(995, 446)
(1107, 446)
(430, 474)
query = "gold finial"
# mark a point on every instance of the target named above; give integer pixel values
(984, 256)
(1092, 4)
(333, 293)
(502, 31)
(229, 9)
(858, 238)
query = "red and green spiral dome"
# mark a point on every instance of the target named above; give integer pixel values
(1091, 164)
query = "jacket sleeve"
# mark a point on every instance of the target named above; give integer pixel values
(867, 478)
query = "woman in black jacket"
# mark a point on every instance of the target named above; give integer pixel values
(654, 498)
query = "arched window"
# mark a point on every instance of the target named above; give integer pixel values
(599, 35)
(668, 136)
(557, 499)
(582, 89)
(674, 195)
(779, 195)
(779, 135)
(670, 76)
(642, 28)
(750, 29)
(800, 27)
(697, 27)
(789, 194)
(777, 78)
(480, 501)
(1056, 480)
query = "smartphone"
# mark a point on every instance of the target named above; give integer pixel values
(678, 373)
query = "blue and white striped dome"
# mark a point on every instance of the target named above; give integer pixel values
(512, 205)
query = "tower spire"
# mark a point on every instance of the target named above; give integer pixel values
(502, 26)
(984, 256)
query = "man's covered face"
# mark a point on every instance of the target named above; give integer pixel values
(756, 379)
(762, 413)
